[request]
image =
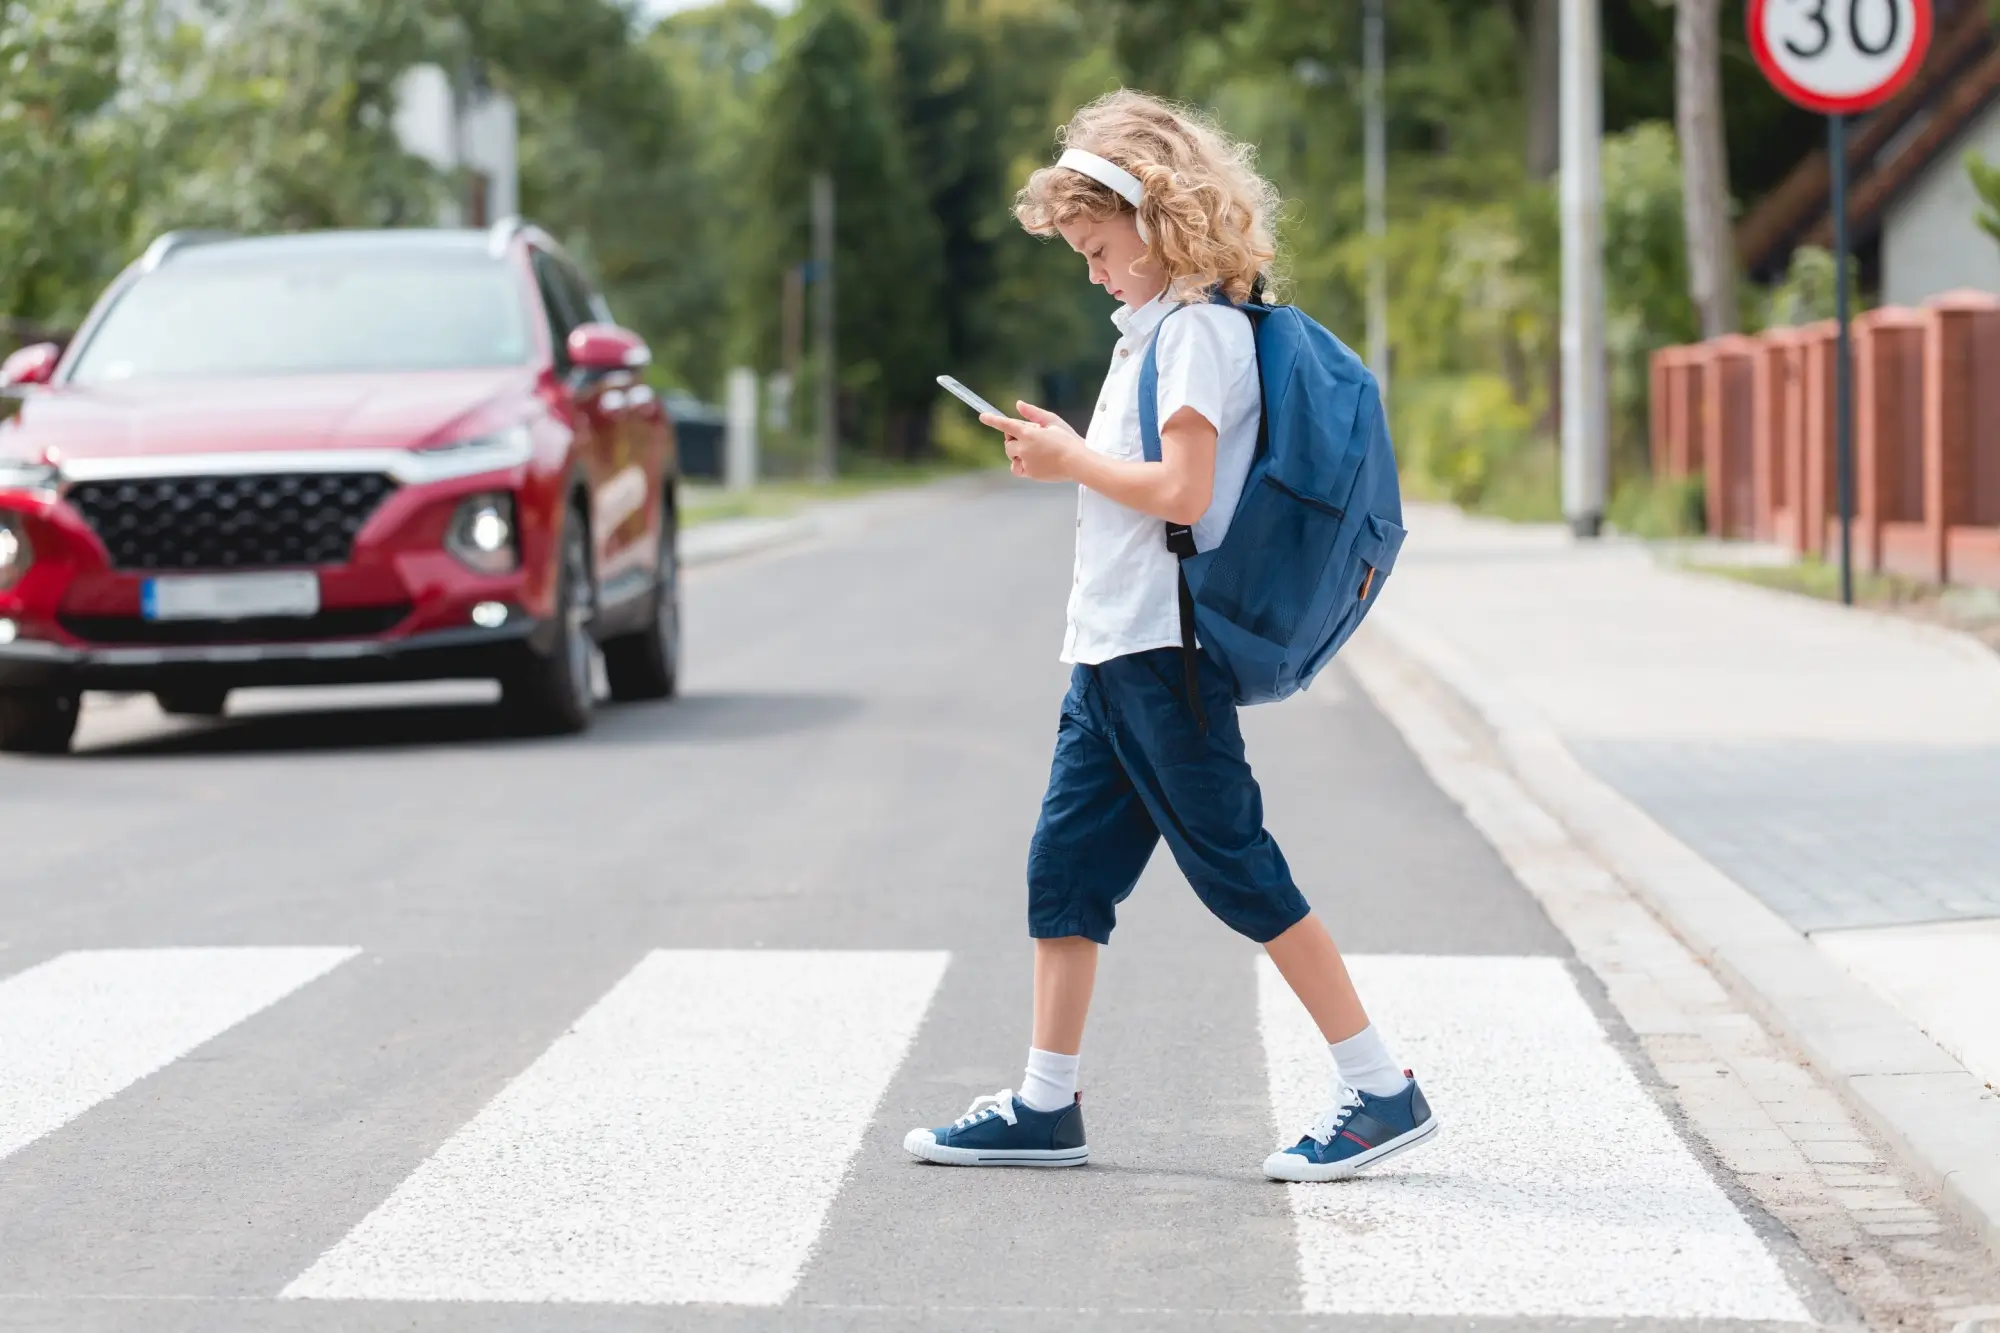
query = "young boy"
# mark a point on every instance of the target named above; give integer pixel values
(1165, 210)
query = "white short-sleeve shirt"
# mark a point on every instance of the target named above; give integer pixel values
(1125, 598)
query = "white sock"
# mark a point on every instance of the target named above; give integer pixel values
(1050, 1083)
(1363, 1062)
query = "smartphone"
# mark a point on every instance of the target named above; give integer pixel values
(967, 396)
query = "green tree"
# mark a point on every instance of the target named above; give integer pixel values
(828, 106)
(66, 158)
(275, 115)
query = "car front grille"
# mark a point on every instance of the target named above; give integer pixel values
(132, 631)
(255, 521)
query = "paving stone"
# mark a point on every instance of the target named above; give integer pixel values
(1837, 1151)
(1827, 835)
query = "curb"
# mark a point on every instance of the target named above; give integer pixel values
(707, 543)
(1933, 1113)
(730, 538)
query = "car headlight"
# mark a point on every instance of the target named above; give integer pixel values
(15, 552)
(496, 452)
(18, 474)
(482, 534)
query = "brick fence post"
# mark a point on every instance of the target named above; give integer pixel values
(1689, 400)
(1888, 427)
(1770, 369)
(1818, 482)
(1961, 469)
(1660, 406)
(1728, 433)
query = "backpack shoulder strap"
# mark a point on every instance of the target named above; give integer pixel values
(1180, 536)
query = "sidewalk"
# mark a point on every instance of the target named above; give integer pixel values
(1806, 794)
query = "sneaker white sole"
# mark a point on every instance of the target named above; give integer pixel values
(920, 1143)
(1290, 1166)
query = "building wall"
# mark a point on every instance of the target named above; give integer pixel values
(475, 134)
(1931, 238)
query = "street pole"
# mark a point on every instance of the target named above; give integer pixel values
(1585, 419)
(1376, 176)
(1843, 382)
(829, 363)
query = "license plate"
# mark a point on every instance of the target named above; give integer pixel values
(230, 596)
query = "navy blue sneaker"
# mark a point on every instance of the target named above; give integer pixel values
(1003, 1130)
(1357, 1132)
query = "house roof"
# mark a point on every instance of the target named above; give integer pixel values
(1887, 150)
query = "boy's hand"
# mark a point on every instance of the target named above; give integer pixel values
(1041, 447)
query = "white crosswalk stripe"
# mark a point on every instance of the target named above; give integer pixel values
(84, 1026)
(686, 1138)
(1556, 1185)
(682, 1142)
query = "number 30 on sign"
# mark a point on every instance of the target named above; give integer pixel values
(1840, 56)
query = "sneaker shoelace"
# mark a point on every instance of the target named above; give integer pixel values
(1000, 1103)
(1334, 1118)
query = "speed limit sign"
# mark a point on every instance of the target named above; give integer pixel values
(1840, 56)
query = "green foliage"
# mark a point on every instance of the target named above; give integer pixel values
(279, 118)
(66, 163)
(827, 108)
(1806, 295)
(1659, 508)
(676, 163)
(1645, 275)
(1986, 184)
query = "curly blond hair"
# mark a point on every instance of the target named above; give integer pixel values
(1208, 214)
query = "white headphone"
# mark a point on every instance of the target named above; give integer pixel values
(1110, 175)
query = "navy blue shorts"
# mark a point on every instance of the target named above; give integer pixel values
(1132, 766)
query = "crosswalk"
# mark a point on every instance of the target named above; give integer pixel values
(687, 1137)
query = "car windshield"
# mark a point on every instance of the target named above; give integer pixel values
(310, 314)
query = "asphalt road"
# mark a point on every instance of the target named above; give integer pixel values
(363, 1017)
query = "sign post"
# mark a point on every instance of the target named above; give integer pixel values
(1840, 57)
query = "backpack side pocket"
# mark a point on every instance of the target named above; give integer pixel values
(1269, 570)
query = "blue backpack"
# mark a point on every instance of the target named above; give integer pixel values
(1319, 524)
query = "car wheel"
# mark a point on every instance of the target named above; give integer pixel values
(646, 665)
(38, 721)
(552, 694)
(192, 701)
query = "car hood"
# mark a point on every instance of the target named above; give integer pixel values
(290, 413)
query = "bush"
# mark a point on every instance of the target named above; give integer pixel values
(1467, 440)
(1660, 507)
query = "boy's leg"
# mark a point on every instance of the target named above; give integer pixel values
(1199, 789)
(1312, 966)
(1091, 843)
(1065, 974)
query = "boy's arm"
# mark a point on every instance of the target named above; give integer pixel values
(1177, 489)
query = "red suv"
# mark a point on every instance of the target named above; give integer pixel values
(335, 457)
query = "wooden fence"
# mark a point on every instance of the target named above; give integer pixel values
(1754, 418)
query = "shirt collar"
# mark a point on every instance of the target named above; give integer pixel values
(1142, 321)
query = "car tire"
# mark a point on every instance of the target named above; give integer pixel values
(646, 664)
(192, 701)
(38, 721)
(552, 694)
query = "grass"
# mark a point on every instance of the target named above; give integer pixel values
(782, 498)
(1814, 578)
(1975, 611)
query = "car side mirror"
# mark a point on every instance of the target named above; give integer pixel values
(598, 348)
(33, 364)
